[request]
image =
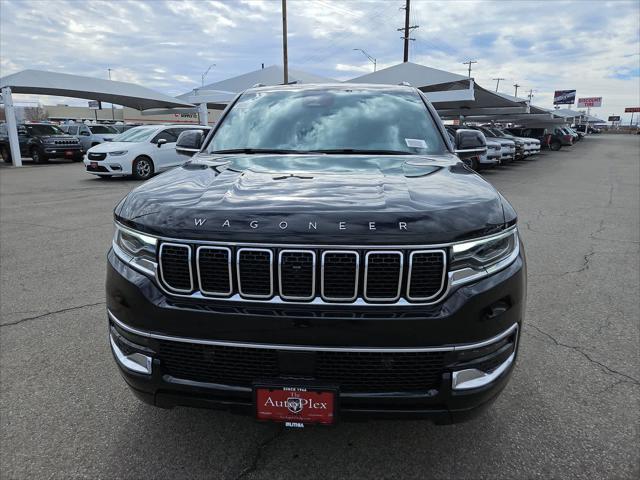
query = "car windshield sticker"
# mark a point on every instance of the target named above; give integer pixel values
(415, 143)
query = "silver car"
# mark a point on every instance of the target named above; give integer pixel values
(90, 135)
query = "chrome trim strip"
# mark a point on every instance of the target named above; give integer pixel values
(444, 275)
(313, 275)
(162, 280)
(229, 256)
(355, 289)
(332, 246)
(136, 362)
(474, 378)
(366, 275)
(266, 346)
(250, 295)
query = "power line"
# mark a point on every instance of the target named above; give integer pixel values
(470, 62)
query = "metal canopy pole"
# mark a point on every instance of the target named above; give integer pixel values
(203, 113)
(12, 127)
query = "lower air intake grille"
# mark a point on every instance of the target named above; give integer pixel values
(427, 274)
(350, 371)
(255, 272)
(175, 267)
(297, 274)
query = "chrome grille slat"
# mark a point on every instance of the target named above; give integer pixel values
(304, 275)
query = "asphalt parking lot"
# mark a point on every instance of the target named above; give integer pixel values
(571, 409)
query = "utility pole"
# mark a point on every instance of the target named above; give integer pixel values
(371, 59)
(516, 85)
(498, 82)
(285, 59)
(470, 62)
(531, 95)
(113, 114)
(407, 29)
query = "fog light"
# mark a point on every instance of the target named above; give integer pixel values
(474, 378)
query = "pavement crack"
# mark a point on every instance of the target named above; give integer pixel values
(585, 263)
(606, 368)
(259, 452)
(21, 320)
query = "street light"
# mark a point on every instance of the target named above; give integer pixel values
(207, 71)
(371, 59)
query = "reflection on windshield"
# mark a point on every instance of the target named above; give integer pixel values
(102, 129)
(329, 119)
(137, 134)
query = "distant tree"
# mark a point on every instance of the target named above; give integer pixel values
(35, 114)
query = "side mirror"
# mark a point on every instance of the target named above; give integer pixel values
(161, 141)
(189, 142)
(84, 133)
(470, 143)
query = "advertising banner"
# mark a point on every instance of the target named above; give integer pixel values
(589, 102)
(564, 97)
(614, 118)
(631, 109)
(94, 105)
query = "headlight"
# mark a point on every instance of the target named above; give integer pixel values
(136, 248)
(479, 258)
(117, 153)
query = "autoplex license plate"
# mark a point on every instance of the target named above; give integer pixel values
(68, 153)
(295, 406)
(94, 164)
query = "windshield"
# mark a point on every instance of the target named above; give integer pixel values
(102, 129)
(43, 130)
(329, 120)
(137, 134)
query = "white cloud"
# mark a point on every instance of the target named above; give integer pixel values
(588, 45)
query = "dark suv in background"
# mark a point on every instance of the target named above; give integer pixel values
(41, 141)
(541, 134)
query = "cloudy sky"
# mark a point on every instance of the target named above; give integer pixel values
(592, 46)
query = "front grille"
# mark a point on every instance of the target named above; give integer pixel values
(382, 276)
(175, 267)
(255, 272)
(297, 274)
(425, 281)
(65, 142)
(350, 371)
(303, 275)
(96, 156)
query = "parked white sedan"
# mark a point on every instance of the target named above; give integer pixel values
(140, 151)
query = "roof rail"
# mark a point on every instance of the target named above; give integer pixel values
(405, 84)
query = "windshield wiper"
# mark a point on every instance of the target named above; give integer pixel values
(255, 150)
(354, 151)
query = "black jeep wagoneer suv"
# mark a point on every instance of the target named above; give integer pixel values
(325, 254)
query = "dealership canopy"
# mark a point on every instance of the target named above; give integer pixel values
(40, 82)
(452, 95)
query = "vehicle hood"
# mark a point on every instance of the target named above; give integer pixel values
(317, 199)
(503, 141)
(112, 147)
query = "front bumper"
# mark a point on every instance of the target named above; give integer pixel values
(143, 322)
(109, 166)
(61, 151)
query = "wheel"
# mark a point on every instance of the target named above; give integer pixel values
(142, 168)
(475, 164)
(37, 156)
(6, 154)
(555, 146)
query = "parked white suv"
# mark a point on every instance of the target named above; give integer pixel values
(140, 151)
(90, 135)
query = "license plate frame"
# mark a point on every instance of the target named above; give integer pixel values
(68, 153)
(94, 164)
(309, 413)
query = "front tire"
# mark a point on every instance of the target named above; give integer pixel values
(6, 154)
(37, 156)
(555, 146)
(142, 168)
